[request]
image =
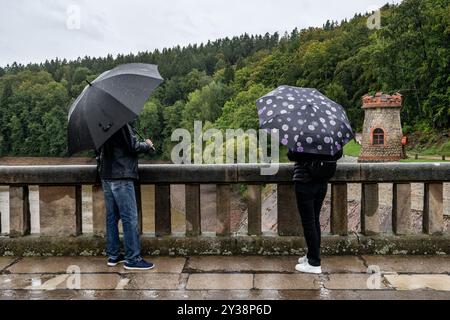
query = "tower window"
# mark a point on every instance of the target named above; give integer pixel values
(378, 137)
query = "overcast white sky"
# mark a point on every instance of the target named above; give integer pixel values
(35, 30)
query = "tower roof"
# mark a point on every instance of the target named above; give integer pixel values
(380, 100)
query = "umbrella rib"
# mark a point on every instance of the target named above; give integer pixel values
(107, 76)
(137, 75)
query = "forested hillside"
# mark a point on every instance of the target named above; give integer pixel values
(218, 82)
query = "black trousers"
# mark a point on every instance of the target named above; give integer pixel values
(310, 198)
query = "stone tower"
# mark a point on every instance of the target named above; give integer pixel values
(382, 132)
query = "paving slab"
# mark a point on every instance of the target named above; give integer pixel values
(61, 265)
(153, 281)
(165, 265)
(330, 264)
(241, 264)
(5, 261)
(343, 264)
(225, 294)
(90, 265)
(286, 281)
(382, 295)
(420, 281)
(209, 281)
(58, 281)
(92, 282)
(354, 282)
(410, 264)
(16, 281)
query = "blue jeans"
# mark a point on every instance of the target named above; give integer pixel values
(120, 203)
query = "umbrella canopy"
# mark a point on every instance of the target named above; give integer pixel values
(108, 103)
(307, 121)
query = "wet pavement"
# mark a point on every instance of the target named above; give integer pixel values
(233, 277)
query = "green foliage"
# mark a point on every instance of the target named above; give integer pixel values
(444, 149)
(205, 104)
(219, 81)
(228, 75)
(352, 149)
(240, 112)
(149, 123)
(33, 118)
(173, 117)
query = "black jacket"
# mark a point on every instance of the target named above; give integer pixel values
(118, 157)
(305, 160)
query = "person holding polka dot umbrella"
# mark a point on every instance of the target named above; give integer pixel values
(315, 130)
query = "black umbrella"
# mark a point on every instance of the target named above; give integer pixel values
(307, 121)
(112, 100)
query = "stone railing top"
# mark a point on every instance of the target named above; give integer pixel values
(233, 173)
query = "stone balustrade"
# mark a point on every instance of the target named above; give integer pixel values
(60, 203)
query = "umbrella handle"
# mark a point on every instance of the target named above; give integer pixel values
(140, 136)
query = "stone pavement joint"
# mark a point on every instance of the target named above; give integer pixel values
(227, 277)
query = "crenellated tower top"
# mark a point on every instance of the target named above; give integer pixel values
(380, 100)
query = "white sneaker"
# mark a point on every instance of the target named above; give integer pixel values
(302, 259)
(307, 268)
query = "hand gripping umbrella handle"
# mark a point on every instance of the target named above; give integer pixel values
(140, 136)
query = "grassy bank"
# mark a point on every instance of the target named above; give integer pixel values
(352, 149)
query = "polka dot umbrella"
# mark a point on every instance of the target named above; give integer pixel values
(307, 121)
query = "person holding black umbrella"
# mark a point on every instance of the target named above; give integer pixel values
(100, 119)
(315, 129)
(118, 169)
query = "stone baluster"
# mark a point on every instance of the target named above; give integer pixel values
(163, 220)
(288, 215)
(19, 211)
(193, 218)
(254, 209)
(433, 211)
(338, 211)
(60, 210)
(401, 208)
(370, 217)
(223, 210)
(137, 190)
(98, 211)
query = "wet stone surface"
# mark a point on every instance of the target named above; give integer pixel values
(410, 264)
(420, 282)
(354, 281)
(286, 281)
(241, 264)
(154, 281)
(220, 281)
(89, 265)
(223, 277)
(5, 261)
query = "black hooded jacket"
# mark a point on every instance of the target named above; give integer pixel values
(118, 157)
(303, 161)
